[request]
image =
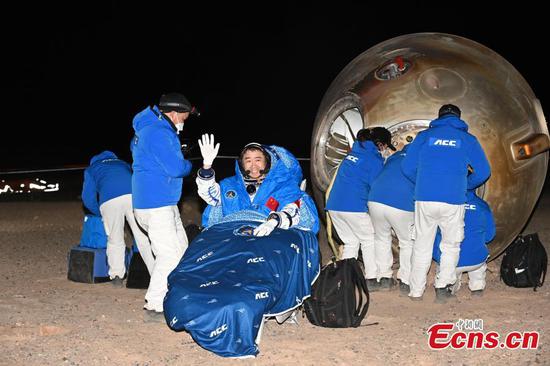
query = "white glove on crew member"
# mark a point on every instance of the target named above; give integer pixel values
(266, 228)
(208, 150)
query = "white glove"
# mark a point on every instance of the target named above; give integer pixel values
(208, 151)
(303, 185)
(266, 228)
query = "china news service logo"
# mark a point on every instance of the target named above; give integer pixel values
(469, 334)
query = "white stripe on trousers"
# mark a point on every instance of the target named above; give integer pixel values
(384, 218)
(427, 217)
(113, 213)
(355, 229)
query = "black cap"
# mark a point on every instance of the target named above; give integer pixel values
(176, 102)
(449, 109)
(381, 134)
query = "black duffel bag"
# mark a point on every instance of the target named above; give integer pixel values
(339, 296)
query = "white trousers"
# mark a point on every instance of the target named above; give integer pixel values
(384, 218)
(113, 213)
(355, 229)
(168, 241)
(476, 276)
(427, 217)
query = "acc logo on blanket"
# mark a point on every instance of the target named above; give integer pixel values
(218, 331)
(256, 260)
(230, 194)
(210, 283)
(262, 295)
(470, 207)
(204, 256)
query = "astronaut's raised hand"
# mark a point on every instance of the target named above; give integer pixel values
(208, 150)
(303, 185)
(266, 228)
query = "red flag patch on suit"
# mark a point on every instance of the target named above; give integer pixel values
(272, 204)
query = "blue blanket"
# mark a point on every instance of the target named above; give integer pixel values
(228, 282)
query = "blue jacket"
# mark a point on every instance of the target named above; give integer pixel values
(280, 187)
(350, 190)
(438, 158)
(107, 177)
(479, 229)
(159, 165)
(391, 187)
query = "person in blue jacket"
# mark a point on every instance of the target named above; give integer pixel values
(479, 230)
(438, 161)
(391, 206)
(158, 171)
(267, 183)
(107, 192)
(348, 198)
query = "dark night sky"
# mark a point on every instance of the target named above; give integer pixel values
(77, 74)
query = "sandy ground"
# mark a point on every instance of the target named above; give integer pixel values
(47, 320)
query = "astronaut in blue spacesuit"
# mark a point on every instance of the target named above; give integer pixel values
(267, 182)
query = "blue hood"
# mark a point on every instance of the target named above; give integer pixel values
(145, 118)
(364, 148)
(283, 165)
(451, 121)
(102, 156)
